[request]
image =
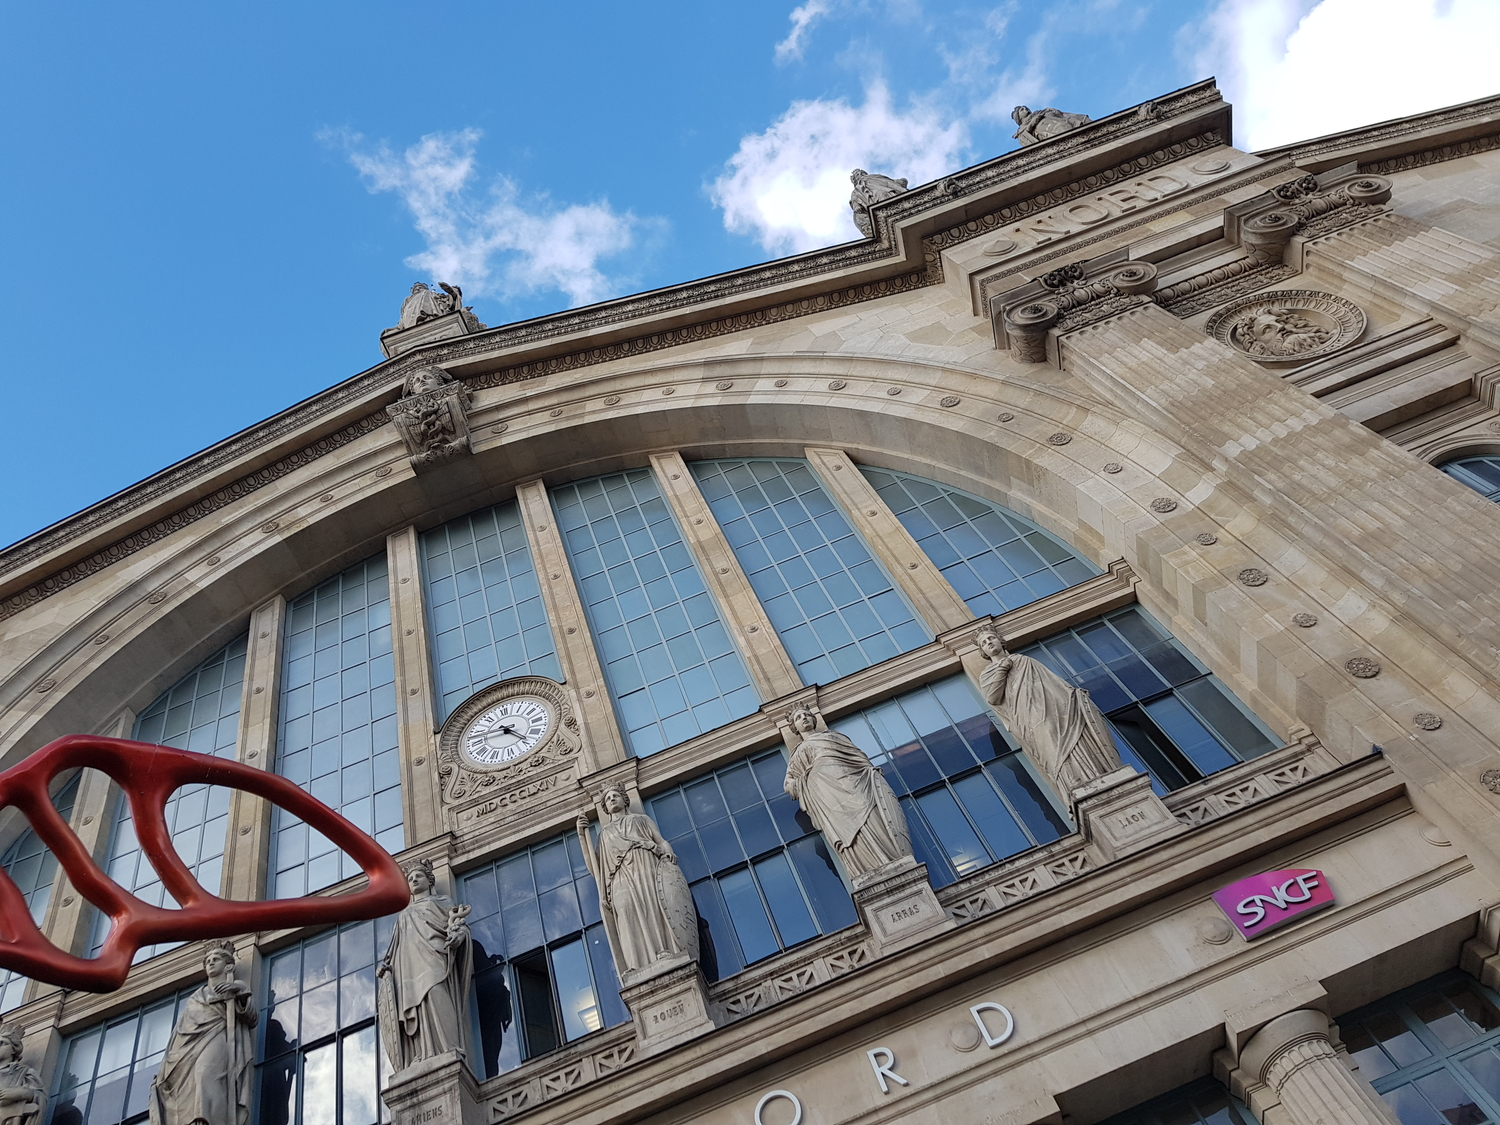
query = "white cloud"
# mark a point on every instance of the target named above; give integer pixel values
(803, 17)
(1297, 69)
(789, 186)
(493, 243)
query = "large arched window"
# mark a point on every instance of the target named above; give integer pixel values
(995, 559)
(668, 660)
(33, 868)
(201, 712)
(833, 606)
(337, 727)
(484, 605)
(1482, 474)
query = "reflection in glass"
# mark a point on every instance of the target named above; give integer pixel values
(1171, 719)
(106, 1072)
(543, 974)
(33, 869)
(995, 559)
(317, 1030)
(1201, 1102)
(761, 875)
(970, 798)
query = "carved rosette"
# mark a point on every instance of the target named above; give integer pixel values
(1292, 326)
(472, 791)
(432, 417)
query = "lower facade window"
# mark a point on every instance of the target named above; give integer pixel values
(106, 1072)
(970, 797)
(321, 1058)
(543, 973)
(1432, 1051)
(1171, 718)
(761, 875)
(1201, 1102)
(1482, 474)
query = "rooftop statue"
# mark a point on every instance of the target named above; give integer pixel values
(870, 189)
(205, 1075)
(425, 303)
(423, 979)
(1044, 124)
(648, 909)
(1057, 724)
(22, 1095)
(847, 797)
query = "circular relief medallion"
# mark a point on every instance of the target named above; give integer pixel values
(1113, 467)
(1254, 576)
(1304, 620)
(1059, 438)
(1292, 326)
(505, 731)
(1362, 667)
(1207, 538)
(1426, 720)
(1163, 504)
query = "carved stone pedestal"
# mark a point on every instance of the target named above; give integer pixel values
(899, 908)
(1119, 814)
(394, 341)
(435, 1091)
(668, 1009)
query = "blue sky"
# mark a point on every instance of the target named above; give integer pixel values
(211, 211)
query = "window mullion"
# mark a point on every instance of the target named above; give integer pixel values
(244, 854)
(937, 603)
(770, 666)
(603, 744)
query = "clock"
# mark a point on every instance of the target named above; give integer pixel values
(507, 730)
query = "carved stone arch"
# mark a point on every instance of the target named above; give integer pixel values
(1458, 446)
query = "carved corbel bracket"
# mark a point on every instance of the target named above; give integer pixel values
(1030, 319)
(432, 417)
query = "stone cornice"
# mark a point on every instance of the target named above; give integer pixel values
(891, 262)
(1407, 142)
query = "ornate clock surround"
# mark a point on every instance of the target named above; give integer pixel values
(467, 785)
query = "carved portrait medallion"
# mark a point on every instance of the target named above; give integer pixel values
(1292, 326)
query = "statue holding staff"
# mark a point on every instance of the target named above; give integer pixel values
(205, 1075)
(22, 1095)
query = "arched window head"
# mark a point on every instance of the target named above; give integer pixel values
(1482, 474)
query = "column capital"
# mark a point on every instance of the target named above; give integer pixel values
(1271, 1044)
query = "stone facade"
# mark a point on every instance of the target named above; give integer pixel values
(1222, 379)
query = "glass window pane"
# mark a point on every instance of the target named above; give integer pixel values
(360, 1079)
(320, 1085)
(345, 622)
(789, 536)
(748, 913)
(650, 613)
(484, 605)
(1450, 1099)
(575, 990)
(1482, 474)
(996, 559)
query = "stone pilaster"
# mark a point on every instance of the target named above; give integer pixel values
(937, 603)
(602, 743)
(416, 709)
(1245, 433)
(250, 816)
(1419, 267)
(770, 667)
(1294, 1058)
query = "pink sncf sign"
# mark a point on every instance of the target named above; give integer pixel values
(1259, 904)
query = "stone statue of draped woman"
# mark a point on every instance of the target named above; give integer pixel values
(1057, 724)
(847, 797)
(643, 894)
(424, 977)
(205, 1075)
(23, 1097)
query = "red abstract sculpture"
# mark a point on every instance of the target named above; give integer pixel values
(148, 775)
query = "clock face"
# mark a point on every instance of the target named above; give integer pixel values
(506, 731)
